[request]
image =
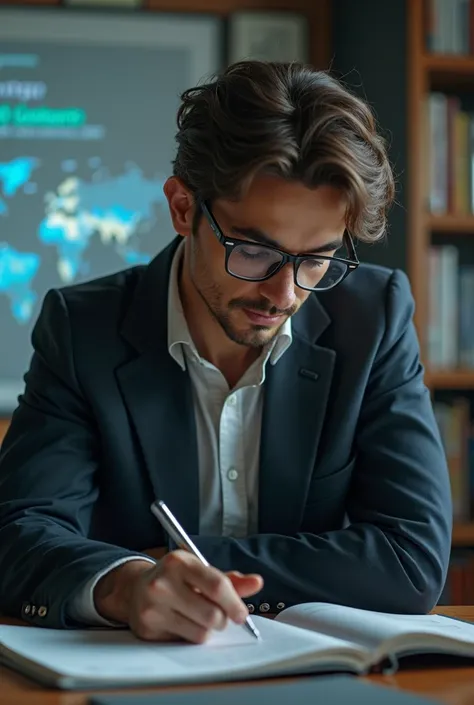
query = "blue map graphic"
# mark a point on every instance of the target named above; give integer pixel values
(17, 272)
(14, 175)
(116, 210)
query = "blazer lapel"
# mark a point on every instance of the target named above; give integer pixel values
(296, 394)
(158, 396)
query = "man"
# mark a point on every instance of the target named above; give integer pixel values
(253, 376)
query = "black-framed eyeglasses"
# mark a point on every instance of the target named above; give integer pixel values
(256, 262)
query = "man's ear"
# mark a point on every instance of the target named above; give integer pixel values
(181, 204)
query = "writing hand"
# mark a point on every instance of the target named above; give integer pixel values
(179, 598)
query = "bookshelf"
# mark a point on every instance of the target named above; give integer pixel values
(451, 74)
(428, 72)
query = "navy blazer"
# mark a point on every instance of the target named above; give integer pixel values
(354, 494)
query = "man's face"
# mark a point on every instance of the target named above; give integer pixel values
(287, 215)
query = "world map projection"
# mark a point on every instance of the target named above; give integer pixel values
(88, 119)
(116, 210)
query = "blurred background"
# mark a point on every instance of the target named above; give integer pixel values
(88, 98)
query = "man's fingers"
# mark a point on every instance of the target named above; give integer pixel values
(181, 567)
(189, 630)
(186, 601)
(245, 585)
(150, 627)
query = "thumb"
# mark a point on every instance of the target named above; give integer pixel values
(245, 585)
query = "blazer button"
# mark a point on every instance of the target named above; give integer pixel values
(42, 611)
(281, 605)
(33, 610)
(27, 609)
(264, 607)
(251, 608)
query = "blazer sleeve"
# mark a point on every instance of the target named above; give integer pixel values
(48, 462)
(394, 554)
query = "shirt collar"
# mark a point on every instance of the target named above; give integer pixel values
(179, 336)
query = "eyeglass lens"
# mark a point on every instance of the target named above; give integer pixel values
(257, 263)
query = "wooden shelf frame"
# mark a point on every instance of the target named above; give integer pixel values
(450, 379)
(450, 224)
(463, 535)
(448, 72)
(418, 233)
(318, 13)
(447, 64)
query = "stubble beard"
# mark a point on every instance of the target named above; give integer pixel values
(255, 336)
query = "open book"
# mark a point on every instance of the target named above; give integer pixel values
(307, 638)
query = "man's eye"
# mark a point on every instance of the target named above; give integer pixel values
(314, 263)
(253, 253)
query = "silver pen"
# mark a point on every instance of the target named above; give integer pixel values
(172, 527)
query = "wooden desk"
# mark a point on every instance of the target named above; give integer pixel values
(452, 686)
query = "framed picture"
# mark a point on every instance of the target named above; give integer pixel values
(88, 102)
(269, 36)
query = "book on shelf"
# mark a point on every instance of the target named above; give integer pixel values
(448, 155)
(450, 319)
(449, 26)
(303, 639)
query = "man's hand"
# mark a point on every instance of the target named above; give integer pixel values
(179, 598)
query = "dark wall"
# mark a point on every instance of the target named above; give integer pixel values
(369, 54)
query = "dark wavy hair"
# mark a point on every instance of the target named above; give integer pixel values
(288, 120)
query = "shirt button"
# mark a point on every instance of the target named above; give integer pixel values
(232, 474)
(42, 611)
(232, 401)
(264, 607)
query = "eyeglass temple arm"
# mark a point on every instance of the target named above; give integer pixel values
(352, 250)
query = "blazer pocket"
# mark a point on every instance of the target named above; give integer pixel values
(331, 490)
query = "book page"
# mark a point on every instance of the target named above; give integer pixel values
(116, 656)
(372, 629)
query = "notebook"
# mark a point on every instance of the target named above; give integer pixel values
(303, 639)
(321, 690)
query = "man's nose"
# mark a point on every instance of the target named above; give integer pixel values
(280, 289)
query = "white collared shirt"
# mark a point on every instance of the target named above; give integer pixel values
(228, 425)
(228, 428)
